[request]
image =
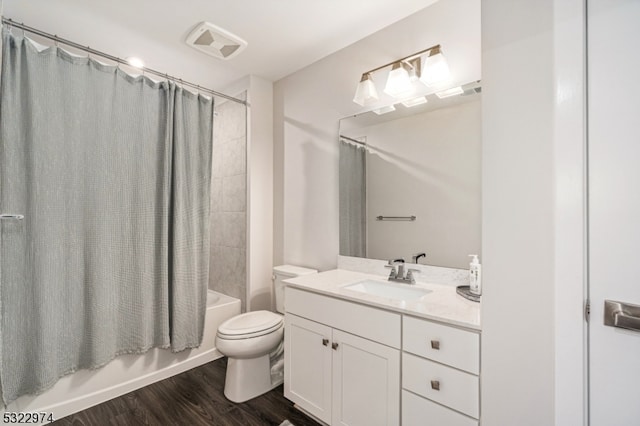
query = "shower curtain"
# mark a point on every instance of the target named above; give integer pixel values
(112, 175)
(353, 200)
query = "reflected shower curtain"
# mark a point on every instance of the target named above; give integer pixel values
(353, 202)
(112, 175)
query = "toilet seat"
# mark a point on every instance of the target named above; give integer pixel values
(249, 325)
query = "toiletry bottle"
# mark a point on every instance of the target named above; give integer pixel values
(475, 275)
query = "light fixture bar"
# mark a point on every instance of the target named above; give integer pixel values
(406, 58)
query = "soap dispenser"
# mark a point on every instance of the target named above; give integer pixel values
(475, 275)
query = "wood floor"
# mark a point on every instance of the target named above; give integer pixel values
(194, 397)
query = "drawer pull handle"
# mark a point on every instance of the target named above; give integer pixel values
(435, 344)
(334, 346)
(435, 385)
(325, 342)
(12, 216)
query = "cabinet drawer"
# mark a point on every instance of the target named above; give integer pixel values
(447, 345)
(370, 323)
(417, 411)
(457, 389)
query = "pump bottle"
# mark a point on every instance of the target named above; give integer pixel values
(475, 275)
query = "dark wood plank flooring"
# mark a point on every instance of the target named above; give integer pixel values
(194, 397)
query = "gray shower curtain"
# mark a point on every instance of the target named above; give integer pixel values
(353, 200)
(112, 175)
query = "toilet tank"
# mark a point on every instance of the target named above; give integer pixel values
(284, 272)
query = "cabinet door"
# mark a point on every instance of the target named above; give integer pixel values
(366, 382)
(307, 360)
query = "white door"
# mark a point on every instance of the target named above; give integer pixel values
(614, 207)
(366, 382)
(307, 369)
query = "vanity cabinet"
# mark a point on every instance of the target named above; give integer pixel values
(342, 360)
(440, 374)
(351, 364)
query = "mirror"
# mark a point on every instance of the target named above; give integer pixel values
(410, 181)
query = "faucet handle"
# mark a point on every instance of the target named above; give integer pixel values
(392, 273)
(410, 276)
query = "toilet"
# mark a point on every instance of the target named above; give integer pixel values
(254, 344)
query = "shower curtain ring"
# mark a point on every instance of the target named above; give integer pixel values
(55, 40)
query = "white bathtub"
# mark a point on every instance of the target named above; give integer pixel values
(126, 373)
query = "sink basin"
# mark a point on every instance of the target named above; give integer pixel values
(388, 290)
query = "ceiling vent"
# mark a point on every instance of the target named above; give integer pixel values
(215, 41)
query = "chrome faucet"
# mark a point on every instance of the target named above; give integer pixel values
(393, 274)
(417, 256)
(399, 275)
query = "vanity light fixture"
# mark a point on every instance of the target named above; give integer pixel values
(431, 70)
(399, 84)
(420, 100)
(366, 92)
(436, 70)
(450, 92)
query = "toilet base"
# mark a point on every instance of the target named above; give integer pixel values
(248, 378)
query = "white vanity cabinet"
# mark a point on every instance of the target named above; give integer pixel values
(440, 374)
(342, 360)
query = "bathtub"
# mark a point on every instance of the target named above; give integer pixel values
(86, 388)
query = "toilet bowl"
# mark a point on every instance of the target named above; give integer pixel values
(248, 340)
(253, 344)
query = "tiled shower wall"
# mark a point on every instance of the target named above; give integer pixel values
(228, 265)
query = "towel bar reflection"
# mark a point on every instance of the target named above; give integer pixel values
(409, 218)
(11, 216)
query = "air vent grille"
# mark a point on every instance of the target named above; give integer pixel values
(215, 41)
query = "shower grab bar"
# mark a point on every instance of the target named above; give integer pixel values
(12, 216)
(411, 218)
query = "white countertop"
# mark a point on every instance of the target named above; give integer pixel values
(443, 304)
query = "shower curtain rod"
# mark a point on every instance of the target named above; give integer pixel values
(353, 140)
(11, 23)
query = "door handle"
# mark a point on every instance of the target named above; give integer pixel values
(325, 342)
(622, 315)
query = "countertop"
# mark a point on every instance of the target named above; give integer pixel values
(443, 304)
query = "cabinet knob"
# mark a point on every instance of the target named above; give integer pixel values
(435, 385)
(435, 344)
(325, 342)
(334, 346)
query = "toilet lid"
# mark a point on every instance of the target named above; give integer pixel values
(251, 323)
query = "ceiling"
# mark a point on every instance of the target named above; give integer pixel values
(283, 35)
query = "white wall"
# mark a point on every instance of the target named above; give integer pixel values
(533, 213)
(427, 165)
(260, 161)
(309, 103)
